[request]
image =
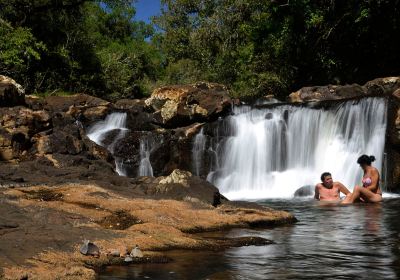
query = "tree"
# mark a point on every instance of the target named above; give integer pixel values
(259, 48)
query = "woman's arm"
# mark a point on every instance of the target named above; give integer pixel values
(374, 175)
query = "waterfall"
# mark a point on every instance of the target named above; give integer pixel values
(98, 132)
(197, 151)
(269, 153)
(145, 168)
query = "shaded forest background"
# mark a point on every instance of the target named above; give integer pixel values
(254, 47)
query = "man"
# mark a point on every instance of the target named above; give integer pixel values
(329, 190)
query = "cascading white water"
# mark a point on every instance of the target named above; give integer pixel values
(98, 132)
(197, 151)
(145, 168)
(275, 151)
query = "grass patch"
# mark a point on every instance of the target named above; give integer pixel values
(119, 220)
(43, 195)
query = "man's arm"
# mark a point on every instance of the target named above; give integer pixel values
(316, 195)
(343, 189)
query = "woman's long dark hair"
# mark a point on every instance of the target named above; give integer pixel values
(364, 159)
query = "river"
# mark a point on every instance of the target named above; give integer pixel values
(360, 241)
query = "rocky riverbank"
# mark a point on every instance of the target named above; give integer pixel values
(58, 188)
(42, 228)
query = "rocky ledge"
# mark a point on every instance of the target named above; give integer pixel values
(378, 87)
(58, 189)
(42, 227)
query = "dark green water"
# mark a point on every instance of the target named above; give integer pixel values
(329, 242)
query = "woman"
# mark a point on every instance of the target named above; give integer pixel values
(370, 190)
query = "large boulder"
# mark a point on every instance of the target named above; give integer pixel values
(51, 126)
(304, 191)
(181, 105)
(137, 117)
(383, 86)
(11, 93)
(18, 126)
(166, 149)
(393, 143)
(180, 185)
(377, 87)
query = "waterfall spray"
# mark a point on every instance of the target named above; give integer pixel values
(98, 132)
(145, 168)
(272, 152)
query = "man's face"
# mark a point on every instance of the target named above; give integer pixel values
(328, 182)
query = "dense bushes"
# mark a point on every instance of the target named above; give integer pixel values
(254, 47)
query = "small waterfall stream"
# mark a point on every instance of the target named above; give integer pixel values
(198, 150)
(117, 121)
(270, 153)
(145, 168)
(98, 132)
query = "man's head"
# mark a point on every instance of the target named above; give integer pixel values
(326, 179)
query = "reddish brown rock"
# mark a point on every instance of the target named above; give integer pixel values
(176, 106)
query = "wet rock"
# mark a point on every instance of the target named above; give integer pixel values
(217, 199)
(392, 148)
(304, 191)
(138, 118)
(89, 249)
(221, 243)
(128, 259)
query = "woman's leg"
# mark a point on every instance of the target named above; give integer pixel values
(365, 194)
(369, 196)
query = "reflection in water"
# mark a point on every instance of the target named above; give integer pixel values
(359, 241)
(185, 265)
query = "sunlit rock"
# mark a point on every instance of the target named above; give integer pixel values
(11, 93)
(180, 105)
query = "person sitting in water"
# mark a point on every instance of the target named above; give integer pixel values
(329, 190)
(370, 190)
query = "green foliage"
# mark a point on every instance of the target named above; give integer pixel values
(130, 65)
(77, 46)
(277, 46)
(18, 49)
(254, 47)
(184, 71)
